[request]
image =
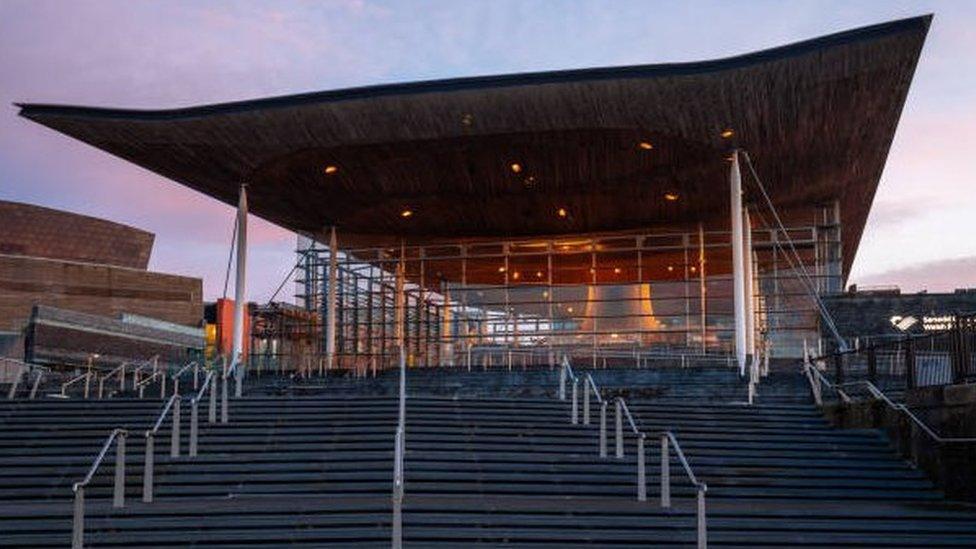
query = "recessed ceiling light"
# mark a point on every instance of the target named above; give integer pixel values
(645, 145)
(616, 270)
(501, 269)
(561, 212)
(516, 167)
(331, 169)
(406, 213)
(670, 197)
(727, 133)
(670, 268)
(538, 274)
(516, 275)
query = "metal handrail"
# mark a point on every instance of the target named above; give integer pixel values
(208, 382)
(398, 456)
(179, 373)
(26, 370)
(630, 418)
(117, 369)
(86, 376)
(226, 371)
(684, 461)
(592, 384)
(143, 383)
(668, 439)
(818, 380)
(878, 394)
(118, 492)
(174, 444)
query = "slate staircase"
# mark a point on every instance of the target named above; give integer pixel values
(492, 460)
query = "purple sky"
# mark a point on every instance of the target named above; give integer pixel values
(169, 54)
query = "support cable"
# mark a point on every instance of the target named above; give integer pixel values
(803, 274)
(230, 256)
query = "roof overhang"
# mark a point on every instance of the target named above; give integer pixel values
(817, 118)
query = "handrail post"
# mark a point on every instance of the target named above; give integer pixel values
(574, 414)
(562, 382)
(641, 473)
(194, 426)
(37, 383)
(88, 377)
(78, 520)
(118, 494)
(147, 470)
(13, 386)
(223, 400)
(619, 428)
(665, 472)
(196, 376)
(702, 526)
(397, 538)
(176, 385)
(162, 385)
(101, 387)
(212, 411)
(603, 429)
(586, 402)
(174, 432)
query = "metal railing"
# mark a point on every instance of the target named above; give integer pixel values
(179, 374)
(566, 373)
(399, 450)
(86, 377)
(117, 371)
(174, 444)
(118, 493)
(24, 370)
(818, 381)
(668, 439)
(943, 357)
(228, 372)
(879, 395)
(145, 382)
(208, 383)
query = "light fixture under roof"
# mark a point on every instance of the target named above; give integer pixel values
(406, 212)
(646, 145)
(670, 197)
(331, 169)
(538, 274)
(616, 270)
(561, 212)
(516, 275)
(516, 167)
(727, 133)
(501, 269)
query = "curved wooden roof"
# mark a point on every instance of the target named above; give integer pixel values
(817, 117)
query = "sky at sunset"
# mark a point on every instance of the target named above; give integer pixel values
(170, 54)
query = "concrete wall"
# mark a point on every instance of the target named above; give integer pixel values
(949, 410)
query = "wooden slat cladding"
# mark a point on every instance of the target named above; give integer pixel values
(817, 117)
